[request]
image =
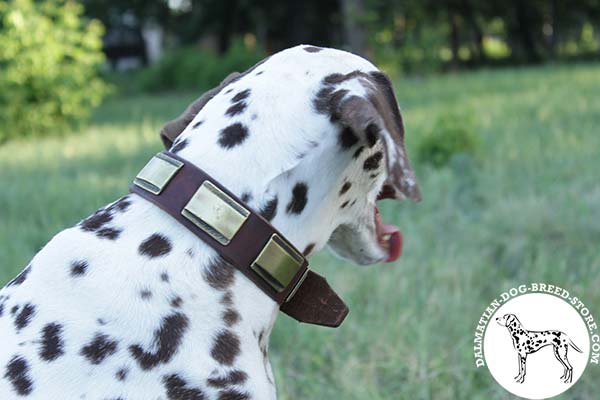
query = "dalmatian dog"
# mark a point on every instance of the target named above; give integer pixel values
(130, 305)
(528, 342)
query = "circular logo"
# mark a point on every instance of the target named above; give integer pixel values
(536, 345)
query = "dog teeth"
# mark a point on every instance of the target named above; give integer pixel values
(386, 237)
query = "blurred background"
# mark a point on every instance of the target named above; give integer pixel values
(502, 108)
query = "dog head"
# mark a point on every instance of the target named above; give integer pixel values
(312, 138)
(507, 320)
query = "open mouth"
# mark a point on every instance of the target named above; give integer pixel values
(388, 236)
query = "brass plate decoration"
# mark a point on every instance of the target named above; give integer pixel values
(157, 173)
(215, 213)
(277, 263)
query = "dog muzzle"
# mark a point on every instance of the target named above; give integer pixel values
(241, 236)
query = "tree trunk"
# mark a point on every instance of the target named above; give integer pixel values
(525, 20)
(227, 28)
(354, 30)
(555, 26)
(454, 39)
(470, 16)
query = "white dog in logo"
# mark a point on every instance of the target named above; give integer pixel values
(528, 342)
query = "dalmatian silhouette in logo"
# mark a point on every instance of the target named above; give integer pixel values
(528, 342)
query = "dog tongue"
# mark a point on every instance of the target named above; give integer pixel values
(394, 243)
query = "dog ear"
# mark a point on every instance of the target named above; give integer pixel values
(377, 116)
(172, 129)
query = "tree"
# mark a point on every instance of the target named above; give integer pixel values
(50, 58)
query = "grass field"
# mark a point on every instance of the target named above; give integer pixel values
(526, 208)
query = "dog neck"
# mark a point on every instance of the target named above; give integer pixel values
(514, 328)
(212, 291)
(287, 200)
(291, 188)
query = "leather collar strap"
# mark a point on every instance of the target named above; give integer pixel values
(241, 236)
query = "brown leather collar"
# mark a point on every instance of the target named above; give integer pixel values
(241, 236)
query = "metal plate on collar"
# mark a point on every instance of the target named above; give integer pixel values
(215, 213)
(277, 263)
(157, 173)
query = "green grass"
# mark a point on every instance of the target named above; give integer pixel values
(526, 208)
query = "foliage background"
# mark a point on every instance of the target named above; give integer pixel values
(49, 59)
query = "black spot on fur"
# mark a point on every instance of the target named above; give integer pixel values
(52, 345)
(259, 73)
(233, 135)
(180, 145)
(219, 274)
(164, 277)
(167, 339)
(109, 233)
(177, 389)
(373, 161)
(345, 187)
(312, 49)
(357, 152)
(299, 199)
(121, 205)
(22, 277)
(17, 372)
(197, 124)
(344, 204)
(236, 108)
(246, 197)
(78, 267)
(347, 138)
(156, 245)
(231, 317)
(176, 302)
(334, 103)
(145, 294)
(232, 394)
(327, 101)
(101, 347)
(269, 210)
(308, 249)
(235, 377)
(121, 374)
(229, 91)
(24, 317)
(321, 100)
(334, 79)
(97, 222)
(226, 347)
(262, 343)
(243, 95)
(3, 300)
(385, 87)
(372, 134)
(227, 299)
